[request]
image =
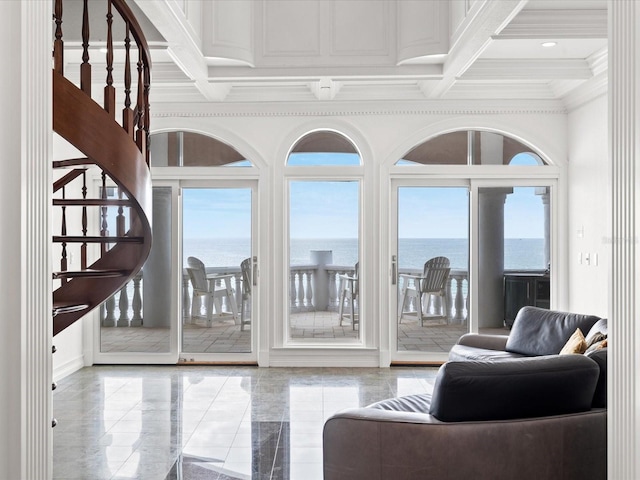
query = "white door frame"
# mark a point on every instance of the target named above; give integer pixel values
(236, 358)
(517, 178)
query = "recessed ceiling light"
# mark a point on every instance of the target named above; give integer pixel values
(549, 44)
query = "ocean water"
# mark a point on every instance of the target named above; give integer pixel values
(520, 253)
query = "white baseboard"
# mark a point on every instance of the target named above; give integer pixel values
(68, 368)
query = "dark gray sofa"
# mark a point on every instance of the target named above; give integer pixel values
(509, 415)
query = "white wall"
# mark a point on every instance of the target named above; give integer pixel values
(10, 241)
(69, 356)
(589, 208)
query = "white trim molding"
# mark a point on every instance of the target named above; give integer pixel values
(624, 144)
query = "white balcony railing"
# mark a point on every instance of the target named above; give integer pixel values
(307, 293)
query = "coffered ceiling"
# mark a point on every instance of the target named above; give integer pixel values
(237, 51)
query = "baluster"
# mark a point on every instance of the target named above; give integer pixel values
(127, 112)
(466, 303)
(309, 289)
(123, 306)
(301, 289)
(147, 115)
(58, 44)
(109, 90)
(136, 303)
(140, 105)
(85, 67)
(449, 299)
(292, 289)
(459, 318)
(120, 217)
(237, 282)
(83, 247)
(186, 299)
(110, 317)
(63, 233)
(333, 289)
(104, 230)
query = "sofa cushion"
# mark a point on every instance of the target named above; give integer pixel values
(600, 395)
(418, 403)
(600, 327)
(461, 353)
(519, 388)
(537, 331)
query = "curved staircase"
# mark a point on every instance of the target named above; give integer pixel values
(109, 253)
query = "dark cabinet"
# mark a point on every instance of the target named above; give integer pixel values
(521, 290)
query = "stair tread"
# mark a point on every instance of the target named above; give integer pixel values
(67, 307)
(91, 273)
(96, 239)
(91, 201)
(72, 162)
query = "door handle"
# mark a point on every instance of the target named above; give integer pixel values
(254, 273)
(394, 269)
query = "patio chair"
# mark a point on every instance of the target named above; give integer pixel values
(245, 268)
(432, 283)
(213, 288)
(349, 293)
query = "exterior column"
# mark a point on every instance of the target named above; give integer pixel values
(543, 192)
(491, 238)
(25, 247)
(624, 295)
(491, 256)
(156, 274)
(320, 283)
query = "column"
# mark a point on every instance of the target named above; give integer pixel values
(543, 192)
(320, 281)
(624, 294)
(25, 249)
(491, 256)
(156, 273)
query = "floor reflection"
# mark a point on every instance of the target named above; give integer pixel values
(202, 422)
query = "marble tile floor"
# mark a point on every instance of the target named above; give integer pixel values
(209, 422)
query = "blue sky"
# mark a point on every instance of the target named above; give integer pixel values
(330, 210)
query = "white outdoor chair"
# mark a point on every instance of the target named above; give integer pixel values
(432, 283)
(214, 288)
(349, 293)
(245, 268)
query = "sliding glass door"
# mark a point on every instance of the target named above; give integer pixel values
(219, 272)
(432, 241)
(466, 256)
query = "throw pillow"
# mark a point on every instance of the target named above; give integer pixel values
(597, 346)
(595, 338)
(575, 344)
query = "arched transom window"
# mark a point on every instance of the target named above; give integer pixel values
(471, 147)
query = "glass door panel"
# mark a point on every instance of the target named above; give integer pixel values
(136, 322)
(218, 263)
(324, 297)
(513, 253)
(433, 266)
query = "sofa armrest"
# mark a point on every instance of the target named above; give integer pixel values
(490, 342)
(374, 444)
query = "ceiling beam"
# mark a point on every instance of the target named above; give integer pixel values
(183, 49)
(529, 69)
(487, 20)
(557, 24)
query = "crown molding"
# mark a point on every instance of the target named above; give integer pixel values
(349, 109)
